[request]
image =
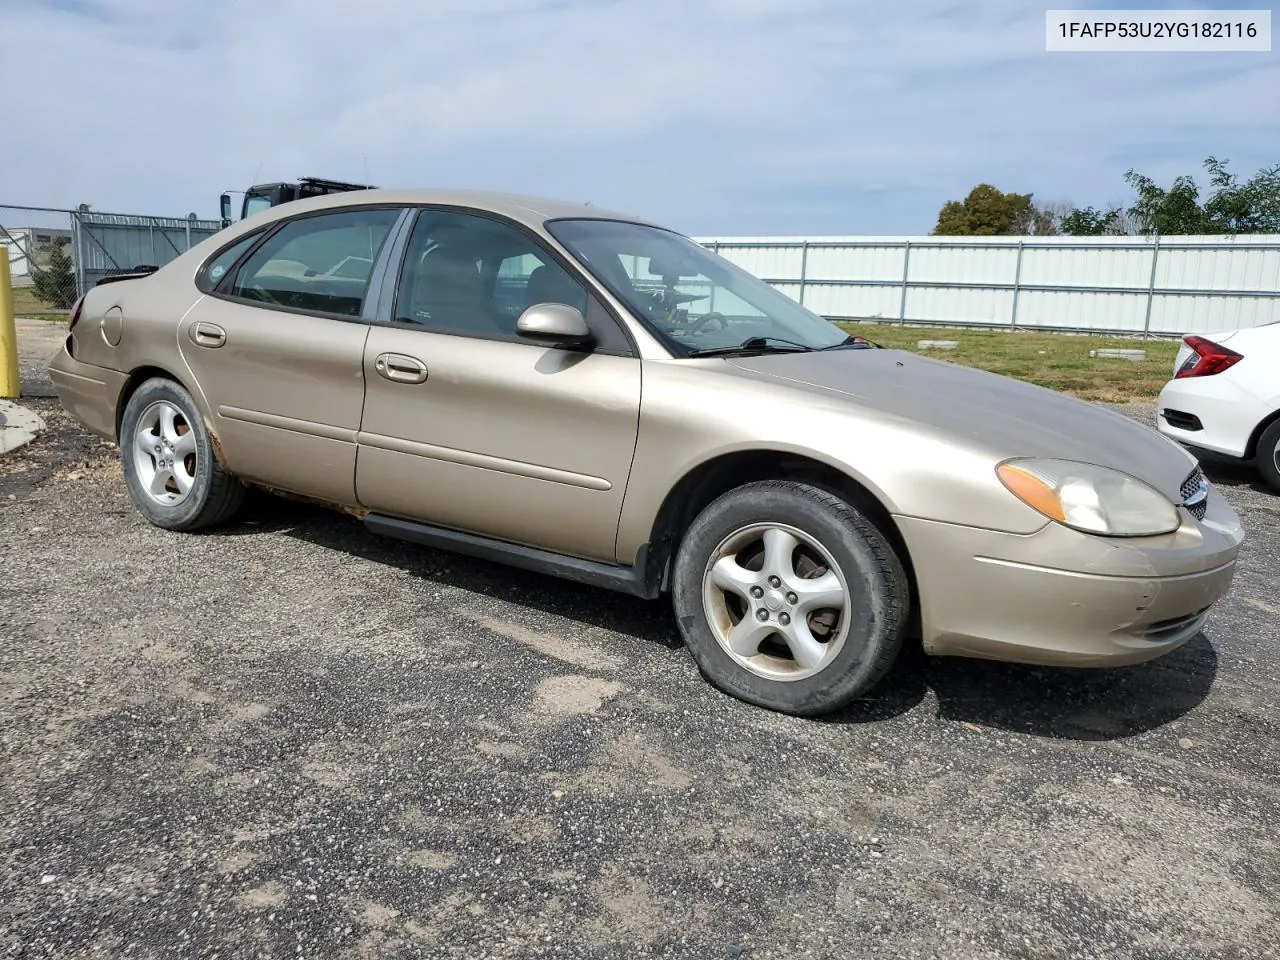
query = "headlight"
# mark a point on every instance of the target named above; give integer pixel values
(1088, 498)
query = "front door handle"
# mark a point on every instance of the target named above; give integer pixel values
(400, 368)
(207, 334)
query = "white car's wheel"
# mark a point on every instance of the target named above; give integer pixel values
(1267, 457)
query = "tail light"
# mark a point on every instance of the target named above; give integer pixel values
(75, 312)
(1207, 358)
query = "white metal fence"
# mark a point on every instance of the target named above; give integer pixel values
(1124, 285)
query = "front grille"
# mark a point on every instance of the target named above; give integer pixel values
(1195, 493)
(1192, 483)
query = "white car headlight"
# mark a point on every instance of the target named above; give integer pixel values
(1090, 498)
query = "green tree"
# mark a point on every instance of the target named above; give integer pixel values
(55, 282)
(1173, 211)
(1090, 222)
(987, 212)
(1232, 207)
(1252, 207)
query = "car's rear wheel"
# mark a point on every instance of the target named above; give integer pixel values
(789, 597)
(170, 469)
(1268, 456)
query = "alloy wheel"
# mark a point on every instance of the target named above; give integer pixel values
(776, 601)
(164, 453)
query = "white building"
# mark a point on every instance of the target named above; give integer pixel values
(25, 244)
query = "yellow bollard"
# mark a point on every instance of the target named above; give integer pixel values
(10, 387)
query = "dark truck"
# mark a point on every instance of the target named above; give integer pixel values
(265, 195)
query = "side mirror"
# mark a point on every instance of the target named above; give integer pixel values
(556, 323)
(225, 201)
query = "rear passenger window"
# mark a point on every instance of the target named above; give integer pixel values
(225, 260)
(320, 263)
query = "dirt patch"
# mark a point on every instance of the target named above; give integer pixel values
(270, 894)
(573, 695)
(632, 764)
(376, 914)
(433, 859)
(568, 651)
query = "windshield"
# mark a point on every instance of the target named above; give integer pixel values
(694, 299)
(255, 203)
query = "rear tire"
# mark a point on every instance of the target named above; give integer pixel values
(170, 469)
(788, 597)
(1267, 458)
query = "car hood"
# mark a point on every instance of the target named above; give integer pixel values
(1004, 416)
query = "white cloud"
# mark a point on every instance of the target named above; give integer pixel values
(715, 115)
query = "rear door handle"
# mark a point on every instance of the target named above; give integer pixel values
(400, 368)
(207, 334)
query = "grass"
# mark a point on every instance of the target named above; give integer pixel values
(27, 304)
(1059, 361)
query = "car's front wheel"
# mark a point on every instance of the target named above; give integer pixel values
(789, 597)
(170, 469)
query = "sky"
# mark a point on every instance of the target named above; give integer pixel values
(715, 117)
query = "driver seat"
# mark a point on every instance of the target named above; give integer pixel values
(549, 284)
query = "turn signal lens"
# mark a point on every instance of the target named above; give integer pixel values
(1032, 491)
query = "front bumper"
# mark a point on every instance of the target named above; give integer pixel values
(1062, 598)
(89, 393)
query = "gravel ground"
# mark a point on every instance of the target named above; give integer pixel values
(291, 738)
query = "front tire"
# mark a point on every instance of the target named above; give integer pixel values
(788, 597)
(170, 469)
(1267, 458)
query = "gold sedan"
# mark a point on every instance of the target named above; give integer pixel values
(599, 398)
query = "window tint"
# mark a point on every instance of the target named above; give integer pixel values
(468, 274)
(319, 263)
(224, 261)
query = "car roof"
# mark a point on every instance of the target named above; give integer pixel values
(530, 210)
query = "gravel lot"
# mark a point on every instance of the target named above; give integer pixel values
(290, 738)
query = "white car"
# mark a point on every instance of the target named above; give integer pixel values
(1225, 397)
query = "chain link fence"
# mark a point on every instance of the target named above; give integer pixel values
(56, 254)
(39, 245)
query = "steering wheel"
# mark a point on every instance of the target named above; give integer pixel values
(705, 318)
(266, 295)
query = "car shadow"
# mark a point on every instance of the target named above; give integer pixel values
(648, 620)
(1061, 703)
(1225, 472)
(1076, 704)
